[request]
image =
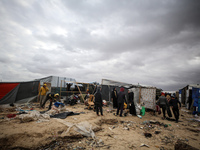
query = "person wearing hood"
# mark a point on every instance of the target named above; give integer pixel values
(121, 100)
(98, 102)
(51, 97)
(42, 94)
(114, 98)
(132, 109)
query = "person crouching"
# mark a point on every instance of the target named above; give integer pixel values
(51, 97)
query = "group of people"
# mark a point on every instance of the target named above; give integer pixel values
(119, 101)
(44, 97)
(166, 101)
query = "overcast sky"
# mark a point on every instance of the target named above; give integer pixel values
(150, 42)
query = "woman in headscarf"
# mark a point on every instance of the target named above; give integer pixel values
(98, 102)
(131, 102)
(114, 98)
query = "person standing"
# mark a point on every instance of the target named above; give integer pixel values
(131, 102)
(175, 108)
(42, 94)
(121, 100)
(98, 102)
(114, 98)
(163, 103)
(52, 97)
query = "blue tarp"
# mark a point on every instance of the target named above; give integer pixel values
(196, 97)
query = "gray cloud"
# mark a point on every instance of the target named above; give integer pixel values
(148, 42)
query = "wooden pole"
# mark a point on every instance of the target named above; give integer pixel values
(80, 92)
(140, 95)
(60, 89)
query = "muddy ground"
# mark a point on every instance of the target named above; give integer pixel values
(111, 132)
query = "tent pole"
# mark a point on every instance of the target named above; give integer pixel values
(80, 92)
(60, 89)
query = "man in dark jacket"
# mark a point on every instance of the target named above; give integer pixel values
(114, 98)
(98, 102)
(175, 108)
(163, 103)
(52, 97)
(121, 100)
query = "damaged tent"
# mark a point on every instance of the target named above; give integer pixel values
(189, 96)
(22, 92)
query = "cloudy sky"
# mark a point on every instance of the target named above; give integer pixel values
(150, 42)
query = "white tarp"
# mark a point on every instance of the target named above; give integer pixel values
(56, 81)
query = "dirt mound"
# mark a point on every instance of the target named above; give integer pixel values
(107, 121)
(183, 146)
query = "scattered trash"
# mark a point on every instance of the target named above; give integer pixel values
(147, 135)
(144, 145)
(34, 116)
(139, 116)
(157, 132)
(11, 115)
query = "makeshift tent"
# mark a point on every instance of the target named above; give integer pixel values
(196, 97)
(18, 92)
(185, 94)
(55, 84)
(56, 81)
(108, 85)
(146, 95)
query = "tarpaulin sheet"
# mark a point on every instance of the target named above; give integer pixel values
(5, 88)
(10, 97)
(64, 115)
(195, 96)
(148, 96)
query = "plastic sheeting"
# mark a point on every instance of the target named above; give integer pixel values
(196, 96)
(56, 81)
(23, 92)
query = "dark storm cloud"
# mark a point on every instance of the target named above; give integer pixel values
(148, 42)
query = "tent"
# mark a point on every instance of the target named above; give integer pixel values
(21, 92)
(108, 85)
(18, 92)
(187, 95)
(146, 95)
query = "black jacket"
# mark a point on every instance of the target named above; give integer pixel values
(174, 103)
(130, 97)
(98, 99)
(121, 97)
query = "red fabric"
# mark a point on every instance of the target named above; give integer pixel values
(6, 88)
(163, 94)
(11, 115)
(122, 89)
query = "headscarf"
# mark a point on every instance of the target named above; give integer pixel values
(122, 89)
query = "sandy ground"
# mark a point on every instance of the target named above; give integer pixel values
(111, 132)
